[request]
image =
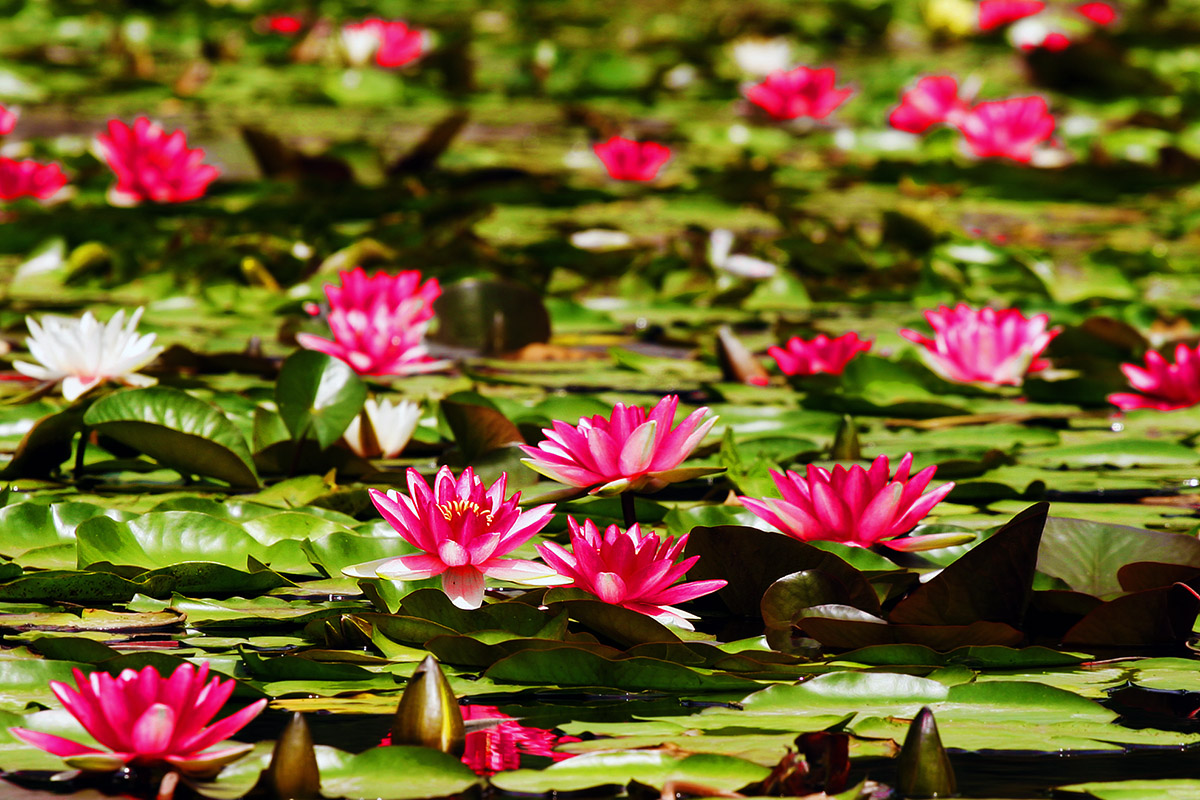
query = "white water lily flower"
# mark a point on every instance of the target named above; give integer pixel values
(720, 242)
(760, 57)
(83, 353)
(600, 239)
(388, 428)
(359, 42)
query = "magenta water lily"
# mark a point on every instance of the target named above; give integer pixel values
(378, 323)
(463, 530)
(631, 450)
(854, 506)
(146, 719)
(630, 568)
(153, 165)
(1161, 384)
(986, 345)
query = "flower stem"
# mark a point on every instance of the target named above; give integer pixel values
(627, 508)
(84, 435)
(166, 789)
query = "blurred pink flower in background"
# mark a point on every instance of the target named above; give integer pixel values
(799, 92)
(984, 346)
(855, 506)
(629, 451)
(378, 323)
(628, 160)
(629, 568)
(500, 746)
(8, 121)
(29, 179)
(1099, 13)
(1166, 386)
(462, 530)
(1008, 128)
(283, 24)
(822, 354)
(997, 13)
(932, 101)
(151, 164)
(399, 44)
(146, 719)
(392, 42)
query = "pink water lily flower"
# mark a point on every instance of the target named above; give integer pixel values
(29, 179)
(629, 568)
(997, 347)
(283, 24)
(146, 719)
(8, 120)
(997, 13)
(629, 160)
(151, 164)
(1008, 128)
(629, 451)
(462, 530)
(392, 42)
(799, 92)
(819, 355)
(378, 323)
(855, 506)
(932, 101)
(1164, 385)
(1099, 13)
(399, 44)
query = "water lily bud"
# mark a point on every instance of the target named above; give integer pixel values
(924, 769)
(845, 442)
(293, 773)
(428, 715)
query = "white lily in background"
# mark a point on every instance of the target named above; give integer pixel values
(720, 242)
(387, 430)
(83, 353)
(360, 40)
(760, 57)
(601, 239)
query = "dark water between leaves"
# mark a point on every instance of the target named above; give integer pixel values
(1010, 774)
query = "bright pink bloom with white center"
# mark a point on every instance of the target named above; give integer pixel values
(462, 530)
(627, 160)
(499, 747)
(1167, 386)
(855, 506)
(8, 121)
(995, 13)
(821, 354)
(933, 101)
(392, 42)
(799, 92)
(29, 179)
(1008, 128)
(1099, 13)
(984, 346)
(147, 719)
(378, 323)
(630, 569)
(629, 451)
(151, 164)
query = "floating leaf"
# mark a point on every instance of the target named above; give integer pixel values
(178, 430)
(318, 396)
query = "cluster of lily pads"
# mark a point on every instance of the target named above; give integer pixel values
(554, 526)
